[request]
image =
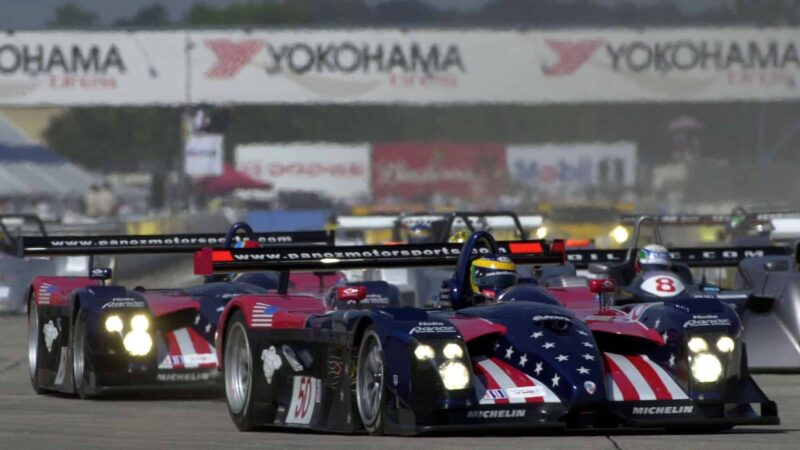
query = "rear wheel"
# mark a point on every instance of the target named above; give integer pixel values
(81, 372)
(370, 387)
(238, 363)
(33, 344)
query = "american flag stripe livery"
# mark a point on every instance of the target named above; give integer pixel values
(45, 290)
(637, 378)
(502, 384)
(262, 315)
(186, 349)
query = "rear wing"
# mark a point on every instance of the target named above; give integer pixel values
(712, 219)
(692, 257)
(209, 261)
(168, 243)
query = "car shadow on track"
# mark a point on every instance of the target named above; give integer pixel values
(150, 395)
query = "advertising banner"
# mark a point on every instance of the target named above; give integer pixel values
(409, 66)
(340, 171)
(430, 66)
(455, 173)
(87, 68)
(203, 155)
(572, 169)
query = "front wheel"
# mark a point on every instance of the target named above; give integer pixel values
(81, 372)
(238, 361)
(33, 344)
(370, 388)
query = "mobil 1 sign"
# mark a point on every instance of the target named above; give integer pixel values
(573, 167)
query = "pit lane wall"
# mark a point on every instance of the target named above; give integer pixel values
(414, 66)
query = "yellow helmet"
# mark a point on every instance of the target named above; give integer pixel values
(490, 275)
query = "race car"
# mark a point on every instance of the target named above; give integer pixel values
(88, 337)
(765, 289)
(530, 358)
(17, 271)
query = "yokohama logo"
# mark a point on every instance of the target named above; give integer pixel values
(571, 55)
(231, 56)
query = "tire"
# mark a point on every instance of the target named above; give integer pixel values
(370, 383)
(238, 368)
(81, 371)
(34, 336)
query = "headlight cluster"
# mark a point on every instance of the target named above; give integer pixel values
(138, 341)
(454, 373)
(706, 367)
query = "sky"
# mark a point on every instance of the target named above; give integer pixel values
(34, 14)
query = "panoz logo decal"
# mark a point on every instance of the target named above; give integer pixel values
(707, 320)
(432, 327)
(496, 414)
(661, 410)
(124, 302)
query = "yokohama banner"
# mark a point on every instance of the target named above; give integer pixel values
(336, 170)
(475, 174)
(400, 66)
(72, 68)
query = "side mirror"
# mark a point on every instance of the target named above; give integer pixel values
(777, 266)
(598, 268)
(100, 273)
(602, 285)
(351, 293)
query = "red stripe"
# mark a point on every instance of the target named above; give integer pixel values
(519, 378)
(173, 349)
(201, 347)
(525, 247)
(625, 386)
(651, 376)
(489, 382)
(222, 256)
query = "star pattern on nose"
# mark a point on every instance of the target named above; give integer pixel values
(562, 358)
(537, 335)
(548, 345)
(509, 352)
(583, 370)
(588, 357)
(555, 380)
(538, 368)
(523, 360)
(588, 344)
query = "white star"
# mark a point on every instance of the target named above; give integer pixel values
(509, 352)
(658, 322)
(562, 358)
(583, 370)
(665, 335)
(537, 334)
(555, 380)
(588, 357)
(538, 368)
(496, 346)
(588, 344)
(197, 319)
(523, 360)
(672, 360)
(208, 328)
(581, 332)
(548, 345)
(220, 309)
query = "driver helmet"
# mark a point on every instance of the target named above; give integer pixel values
(492, 274)
(459, 237)
(654, 257)
(420, 233)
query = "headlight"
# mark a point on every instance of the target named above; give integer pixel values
(454, 375)
(453, 351)
(140, 322)
(423, 352)
(619, 234)
(706, 368)
(697, 345)
(725, 344)
(541, 232)
(138, 343)
(113, 324)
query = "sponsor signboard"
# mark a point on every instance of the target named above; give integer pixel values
(203, 155)
(568, 169)
(421, 66)
(413, 172)
(80, 68)
(337, 170)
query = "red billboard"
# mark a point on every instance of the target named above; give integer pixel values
(457, 175)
